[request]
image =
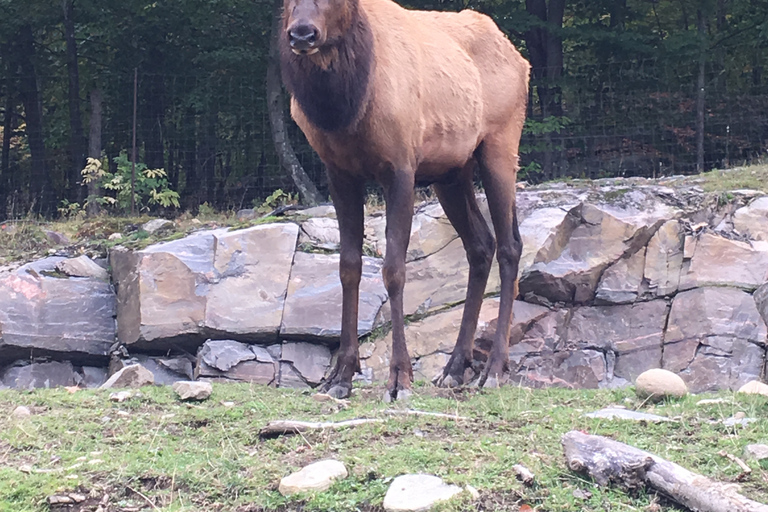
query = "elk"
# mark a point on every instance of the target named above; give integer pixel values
(406, 97)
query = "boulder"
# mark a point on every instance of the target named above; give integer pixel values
(227, 284)
(633, 333)
(757, 452)
(311, 361)
(620, 283)
(66, 318)
(431, 231)
(441, 279)
(718, 261)
(321, 232)
(753, 219)
(313, 303)
(21, 412)
(658, 384)
(417, 493)
(602, 235)
(156, 225)
(165, 370)
(664, 259)
(193, 390)
(82, 266)
(754, 387)
(232, 360)
(315, 477)
(431, 340)
(544, 232)
(134, 376)
(23, 375)
(715, 339)
(93, 376)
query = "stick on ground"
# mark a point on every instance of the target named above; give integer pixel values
(611, 462)
(282, 427)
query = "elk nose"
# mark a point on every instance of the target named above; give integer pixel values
(303, 37)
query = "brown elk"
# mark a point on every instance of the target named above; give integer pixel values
(404, 97)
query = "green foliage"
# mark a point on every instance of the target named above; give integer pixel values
(277, 199)
(151, 187)
(538, 130)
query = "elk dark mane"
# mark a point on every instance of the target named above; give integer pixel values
(333, 97)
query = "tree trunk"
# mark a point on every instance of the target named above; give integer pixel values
(154, 113)
(276, 106)
(545, 48)
(40, 185)
(5, 163)
(76, 135)
(700, 93)
(94, 145)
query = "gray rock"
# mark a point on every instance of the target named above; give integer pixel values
(232, 360)
(417, 492)
(193, 390)
(156, 225)
(620, 283)
(227, 284)
(134, 376)
(311, 361)
(633, 332)
(664, 259)
(71, 319)
(313, 303)
(322, 232)
(93, 376)
(602, 236)
(166, 370)
(715, 339)
(291, 378)
(21, 412)
(316, 477)
(246, 214)
(658, 384)
(57, 238)
(39, 375)
(82, 266)
(544, 232)
(756, 451)
(737, 420)
(441, 279)
(610, 413)
(718, 261)
(753, 219)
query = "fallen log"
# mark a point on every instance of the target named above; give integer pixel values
(282, 427)
(611, 462)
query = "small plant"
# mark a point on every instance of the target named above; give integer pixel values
(276, 199)
(151, 186)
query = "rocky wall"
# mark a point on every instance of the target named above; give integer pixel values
(616, 277)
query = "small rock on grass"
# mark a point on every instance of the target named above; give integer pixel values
(21, 412)
(754, 387)
(415, 493)
(193, 390)
(133, 376)
(756, 451)
(624, 414)
(317, 476)
(120, 396)
(657, 384)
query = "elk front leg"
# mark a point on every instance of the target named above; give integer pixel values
(348, 194)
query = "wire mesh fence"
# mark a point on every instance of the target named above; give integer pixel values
(212, 134)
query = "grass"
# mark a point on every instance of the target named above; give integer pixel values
(155, 453)
(754, 177)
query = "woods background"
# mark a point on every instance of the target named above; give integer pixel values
(619, 88)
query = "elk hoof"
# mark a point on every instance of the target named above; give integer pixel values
(492, 382)
(401, 395)
(448, 381)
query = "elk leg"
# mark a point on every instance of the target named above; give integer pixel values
(460, 206)
(398, 190)
(498, 171)
(348, 194)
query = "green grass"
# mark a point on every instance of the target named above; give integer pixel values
(208, 456)
(753, 177)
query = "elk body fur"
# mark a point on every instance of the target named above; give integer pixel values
(404, 97)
